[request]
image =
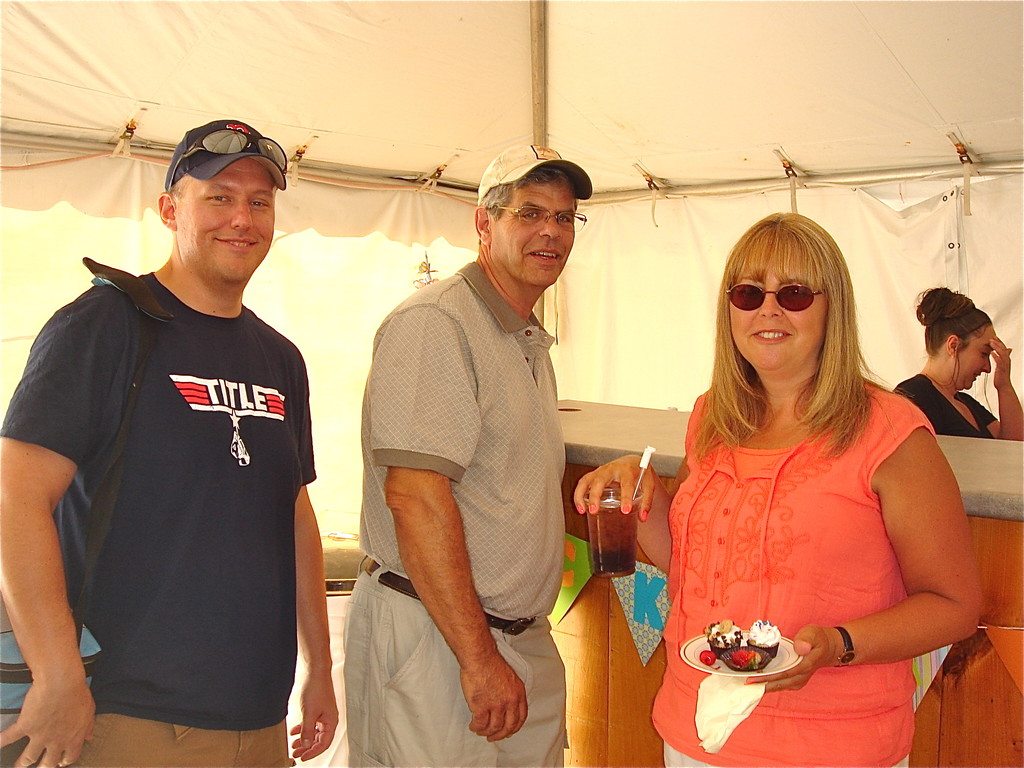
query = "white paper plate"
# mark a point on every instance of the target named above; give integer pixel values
(786, 658)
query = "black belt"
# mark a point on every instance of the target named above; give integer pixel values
(403, 585)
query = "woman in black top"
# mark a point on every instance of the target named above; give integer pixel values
(960, 340)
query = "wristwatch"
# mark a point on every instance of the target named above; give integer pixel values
(848, 654)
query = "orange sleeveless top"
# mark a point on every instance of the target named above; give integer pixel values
(795, 537)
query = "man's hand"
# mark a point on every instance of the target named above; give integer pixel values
(431, 540)
(317, 700)
(319, 709)
(497, 699)
(57, 719)
(58, 713)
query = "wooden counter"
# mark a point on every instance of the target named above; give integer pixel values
(971, 715)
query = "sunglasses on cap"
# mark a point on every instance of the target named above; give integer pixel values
(793, 298)
(227, 141)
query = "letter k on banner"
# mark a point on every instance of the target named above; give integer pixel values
(644, 598)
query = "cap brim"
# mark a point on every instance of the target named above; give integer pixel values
(217, 163)
(581, 183)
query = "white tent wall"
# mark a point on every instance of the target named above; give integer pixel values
(636, 304)
(633, 311)
(994, 259)
(125, 187)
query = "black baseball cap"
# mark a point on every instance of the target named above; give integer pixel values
(209, 149)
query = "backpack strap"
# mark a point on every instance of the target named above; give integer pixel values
(134, 287)
(101, 509)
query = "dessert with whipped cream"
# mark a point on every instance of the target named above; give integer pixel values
(764, 636)
(723, 636)
(749, 651)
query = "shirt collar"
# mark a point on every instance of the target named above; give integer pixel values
(509, 321)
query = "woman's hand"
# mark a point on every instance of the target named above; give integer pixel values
(625, 472)
(1011, 417)
(819, 646)
(1001, 353)
(651, 506)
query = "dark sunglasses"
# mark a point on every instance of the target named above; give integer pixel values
(793, 298)
(229, 142)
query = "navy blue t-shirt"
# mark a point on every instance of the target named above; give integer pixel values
(194, 595)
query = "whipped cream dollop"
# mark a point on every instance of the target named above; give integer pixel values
(764, 633)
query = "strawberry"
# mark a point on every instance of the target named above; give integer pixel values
(741, 657)
(745, 659)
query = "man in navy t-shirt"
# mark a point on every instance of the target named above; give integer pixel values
(212, 571)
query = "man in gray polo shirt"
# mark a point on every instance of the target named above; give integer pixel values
(449, 659)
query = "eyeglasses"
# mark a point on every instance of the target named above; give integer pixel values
(229, 142)
(533, 216)
(793, 298)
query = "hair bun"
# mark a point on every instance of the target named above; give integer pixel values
(937, 304)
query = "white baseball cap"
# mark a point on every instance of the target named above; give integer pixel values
(515, 162)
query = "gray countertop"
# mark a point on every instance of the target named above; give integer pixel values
(990, 472)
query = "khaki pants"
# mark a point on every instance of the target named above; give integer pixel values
(123, 741)
(405, 703)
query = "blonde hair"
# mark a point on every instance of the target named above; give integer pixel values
(835, 405)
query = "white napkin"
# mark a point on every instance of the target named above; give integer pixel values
(723, 702)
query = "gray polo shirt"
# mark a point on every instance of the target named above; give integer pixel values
(463, 386)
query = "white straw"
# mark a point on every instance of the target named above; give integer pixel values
(644, 461)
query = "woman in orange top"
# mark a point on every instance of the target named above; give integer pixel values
(811, 498)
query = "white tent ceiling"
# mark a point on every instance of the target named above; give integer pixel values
(695, 93)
